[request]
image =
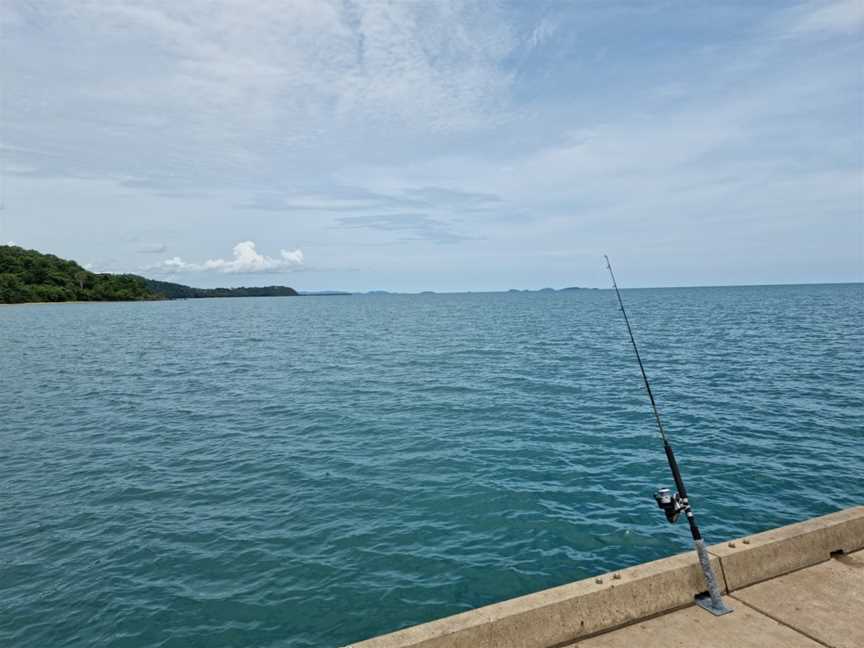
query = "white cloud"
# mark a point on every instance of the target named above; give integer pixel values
(246, 260)
(170, 266)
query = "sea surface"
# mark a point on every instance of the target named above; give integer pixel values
(308, 472)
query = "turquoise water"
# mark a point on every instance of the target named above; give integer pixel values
(305, 472)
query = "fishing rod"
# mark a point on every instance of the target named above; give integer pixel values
(673, 504)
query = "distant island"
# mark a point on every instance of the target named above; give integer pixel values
(548, 290)
(28, 276)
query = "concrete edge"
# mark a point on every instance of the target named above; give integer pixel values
(560, 615)
(570, 612)
(769, 554)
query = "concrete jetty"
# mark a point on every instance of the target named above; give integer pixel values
(799, 586)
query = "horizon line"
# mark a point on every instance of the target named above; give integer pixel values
(574, 288)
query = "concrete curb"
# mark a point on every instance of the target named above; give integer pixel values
(561, 615)
(756, 558)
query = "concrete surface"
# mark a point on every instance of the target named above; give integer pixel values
(815, 607)
(825, 602)
(792, 593)
(695, 628)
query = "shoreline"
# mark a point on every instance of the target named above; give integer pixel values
(92, 301)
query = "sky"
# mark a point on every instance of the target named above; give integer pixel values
(437, 144)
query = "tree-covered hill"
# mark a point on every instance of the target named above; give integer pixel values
(179, 291)
(30, 276)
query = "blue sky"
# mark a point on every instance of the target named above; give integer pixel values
(437, 145)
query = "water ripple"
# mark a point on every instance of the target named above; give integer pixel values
(309, 472)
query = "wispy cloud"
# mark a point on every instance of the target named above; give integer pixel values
(152, 248)
(337, 199)
(449, 198)
(419, 227)
(246, 260)
(542, 32)
(511, 128)
(837, 16)
(243, 79)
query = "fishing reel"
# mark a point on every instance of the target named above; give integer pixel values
(670, 503)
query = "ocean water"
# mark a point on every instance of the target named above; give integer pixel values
(307, 472)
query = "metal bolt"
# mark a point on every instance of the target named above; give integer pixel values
(732, 545)
(617, 576)
(746, 541)
(599, 581)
